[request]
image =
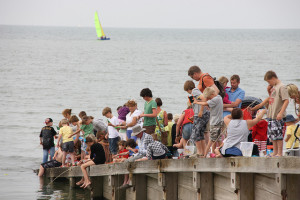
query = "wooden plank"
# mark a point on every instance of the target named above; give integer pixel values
(266, 183)
(97, 187)
(223, 183)
(293, 186)
(170, 186)
(139, 189)
(153, 190)
(246, 187)
(222, 194)
(260, 193)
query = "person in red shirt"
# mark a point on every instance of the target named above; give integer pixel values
(123, 152)
(205, 80)
(259, 134)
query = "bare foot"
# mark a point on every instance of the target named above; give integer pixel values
(87, 184)
(80, 182)
(177, 145)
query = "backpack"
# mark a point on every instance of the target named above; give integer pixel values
(217, 83)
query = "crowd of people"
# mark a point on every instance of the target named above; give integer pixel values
(214, 121)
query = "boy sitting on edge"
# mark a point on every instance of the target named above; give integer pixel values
(55, 162)
(278, 102)
(66, 133)
(215, 103)
(113, 134)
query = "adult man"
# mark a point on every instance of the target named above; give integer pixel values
(236, 95)
(205, 80)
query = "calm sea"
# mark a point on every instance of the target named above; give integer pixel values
(44, 70)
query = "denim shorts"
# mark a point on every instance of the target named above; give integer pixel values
(113, 145)
(68, 146)
(187, 131)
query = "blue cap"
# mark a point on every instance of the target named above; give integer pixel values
(290, 118)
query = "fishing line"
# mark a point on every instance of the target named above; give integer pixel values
(59, 176)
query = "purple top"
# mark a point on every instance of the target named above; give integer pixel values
(123, 112)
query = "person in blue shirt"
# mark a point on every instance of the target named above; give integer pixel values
(236, 94)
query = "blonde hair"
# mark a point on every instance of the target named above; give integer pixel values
(293, 90)
(208, 92)
(223, 80)
(176, 117)
(64, 121)
(131, 103)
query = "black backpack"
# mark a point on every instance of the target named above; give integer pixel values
(217, 83)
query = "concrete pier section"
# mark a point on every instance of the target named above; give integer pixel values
(238, 178)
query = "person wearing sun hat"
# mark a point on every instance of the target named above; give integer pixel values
(290, 122)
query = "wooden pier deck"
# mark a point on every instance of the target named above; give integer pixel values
(237, 178)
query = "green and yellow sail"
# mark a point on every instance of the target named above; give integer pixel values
(98, 26)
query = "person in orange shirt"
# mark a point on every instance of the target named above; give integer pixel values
(205, 80)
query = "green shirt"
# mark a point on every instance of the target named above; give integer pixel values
(87, 129)
(149, 121)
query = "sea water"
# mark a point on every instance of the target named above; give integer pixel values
(44, 70)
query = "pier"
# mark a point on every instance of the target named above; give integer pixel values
(236, 178)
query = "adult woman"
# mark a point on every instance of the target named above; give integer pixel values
(162, 118)
(131, 118)
(294, 94)
(237, 132)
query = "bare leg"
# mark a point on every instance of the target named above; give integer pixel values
(64, 158)
(218, 153)
(80, 182)
(126, 179)
(279, 147)
(41, 171)
(199, 148)
(87, 181)
(275, 147)
(207, 148)
(206, 136)
(73, 158)
(203, 144)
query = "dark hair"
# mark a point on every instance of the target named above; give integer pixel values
(122, 143)
(89, 139)
(86, 118)
(189, 85)
(81, 114)
(158, 102)
(99, 134)
(236, 113)
(131, 143)
(235, 77)
(193, 69)
(269, 75)
(170, 116)
(146, 92)
(119, 108)
(106, 110)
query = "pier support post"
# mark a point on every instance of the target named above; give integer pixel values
(72, 182)
(97, 187)
(243, 185)
(204, 183)
(169, 182)
(115, 181)
(281, 182)
(139, 183)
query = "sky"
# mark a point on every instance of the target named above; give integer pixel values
(219, 14)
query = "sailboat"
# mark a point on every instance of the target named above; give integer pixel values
(99, 29)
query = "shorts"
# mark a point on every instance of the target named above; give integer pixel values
(150, 129)
(262, 145)
(232, 151)
(51, 164)
(275, 129)
(215, 131)
(113, 145)
(159, 157)
(68, 146)
(199, 127)
(187, 131)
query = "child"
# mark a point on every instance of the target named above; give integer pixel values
(224, 81)
(150, 112)
(74, 124)
(104, 142)
(259, 134)
(214, 101)
(169, 129)
(47, 139)
(68, 144)
(130, 146)
(82, 114)
(123, 152)
(155, 150)
(97, 157)
(290, 137)
(55, 162)
(201, 117)
(294, 94)
(113, 135)
(278, 102)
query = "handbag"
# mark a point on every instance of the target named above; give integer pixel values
(164, 134)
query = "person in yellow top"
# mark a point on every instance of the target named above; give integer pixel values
(66, 133)
(290, 130)
(169, 129)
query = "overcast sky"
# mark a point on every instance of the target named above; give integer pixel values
(154, 13)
